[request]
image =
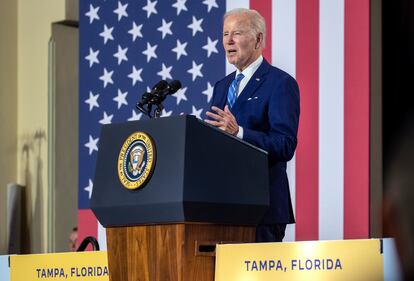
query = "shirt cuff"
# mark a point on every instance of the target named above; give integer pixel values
(240, 133)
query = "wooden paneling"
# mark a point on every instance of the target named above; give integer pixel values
(175, 252)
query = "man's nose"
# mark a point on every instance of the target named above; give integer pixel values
(229, 40)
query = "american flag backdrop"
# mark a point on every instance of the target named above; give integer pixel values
(128, 46)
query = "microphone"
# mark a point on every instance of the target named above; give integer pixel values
(160, 86)
(156, 96)
(174, 86)
(148, 96)
(171, 88)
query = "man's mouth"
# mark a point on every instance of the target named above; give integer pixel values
(231, 52)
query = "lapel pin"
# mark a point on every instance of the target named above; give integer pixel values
(257, 79)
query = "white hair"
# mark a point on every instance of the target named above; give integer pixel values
(257, 21)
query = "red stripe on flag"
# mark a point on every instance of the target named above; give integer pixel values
(356, 120)
(307, 69)
(87, 225)
(264, 7)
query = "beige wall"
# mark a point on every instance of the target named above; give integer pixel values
(8, 106)
(25, 29)
(34, 31)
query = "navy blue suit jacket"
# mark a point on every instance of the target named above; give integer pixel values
(268, 111)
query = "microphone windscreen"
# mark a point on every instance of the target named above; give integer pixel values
(160, 85)
(175, 85)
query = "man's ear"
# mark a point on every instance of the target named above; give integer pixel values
(259, 40)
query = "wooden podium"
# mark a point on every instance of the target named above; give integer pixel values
(207, 187)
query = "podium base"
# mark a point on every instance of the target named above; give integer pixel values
(173, 252)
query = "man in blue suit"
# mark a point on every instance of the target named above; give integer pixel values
(259, 103)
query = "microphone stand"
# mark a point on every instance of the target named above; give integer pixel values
(145, 111)
(148, 109)
(157, 95)
(158, 111)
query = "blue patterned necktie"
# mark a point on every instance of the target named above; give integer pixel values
(232, 94)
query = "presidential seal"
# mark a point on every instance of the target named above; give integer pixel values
(136, 160)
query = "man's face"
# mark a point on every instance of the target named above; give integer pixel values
(241, 45)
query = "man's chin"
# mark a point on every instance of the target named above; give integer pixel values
(231, 61)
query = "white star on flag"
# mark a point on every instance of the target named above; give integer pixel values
(165, 28)
(121, 54)
(106, 119)
(165, 72)
(196, 112)
(210, 47)
(150, 8)
(135, 116)
(210, 4)
(180, 49)
(92, 57)
(92, 100)
(89, 188)
(107, 34)
(92, 13)
(135, 75)
(150, 51)
(121, 10)
(107, 77)
(135, 31)
(165, 113)
(180, 6)
(180, 95)
(92, 144)
(196, 70)
(195, 25)
(121, 98)
(208, 92)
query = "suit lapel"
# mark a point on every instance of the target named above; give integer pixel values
(254, 83)
(223, 100)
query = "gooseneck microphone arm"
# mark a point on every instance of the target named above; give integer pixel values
(156, 96)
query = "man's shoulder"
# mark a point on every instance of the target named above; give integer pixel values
(280, 78)
(265, 68)
(275, 71)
